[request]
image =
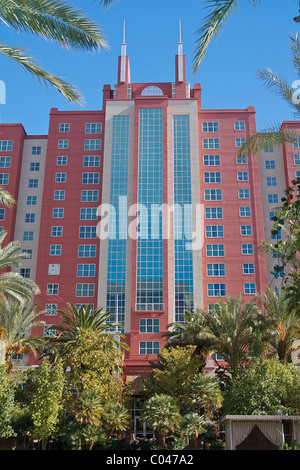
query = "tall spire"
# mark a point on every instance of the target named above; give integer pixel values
(180, 56)
(123, 57)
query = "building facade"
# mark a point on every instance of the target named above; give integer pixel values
(143, 207)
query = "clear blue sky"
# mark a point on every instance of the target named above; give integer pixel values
(251, 39)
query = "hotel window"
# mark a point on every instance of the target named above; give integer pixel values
(63, 144)
(273, 198)
(242, 176)
(215, 269)
(88, 232)
(60, 177)
(86, 270)
(244, 193)
(213, 212)
(270, 164)
(213, 194)
(33, 183)
(35, 166)
(241, 159)
(92, 144)
(210, 126)
(53, 269)
(58, 213)
(211, 143)
(28, 253)
(89, 196)
(271, 181)
(296, 143)
(214, 231)
(31, 200)
(211, 160)
(36, 150)
(91, 161)
(245, 211)
(248, 268)
(5, 162)
(216, 289)
(62, 160)
(149, 347)
(297, 174)
(149, 325)
(151, 91)
(93, 128)
(2, 214)
(59, 195)
(88, 213)
(239, 141)
(296, 159)
(271, 215)
(52, 289)
(85, 290)
(29, 218)
(6, 145)
(249, 288)
(25, 272)
(90, 178)
(56, 231)
(246, 230)
(247, 249)
(215, 250)
(55, 250)
(279, 273)
(87, 251)
(239, 125)
(269, 149)
(27, 236)
(4, 178)
(212, 177)
(51, 309)
(64, 127)
(48, 331)
(276, 235)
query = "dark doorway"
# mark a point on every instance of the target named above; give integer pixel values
(256, 440)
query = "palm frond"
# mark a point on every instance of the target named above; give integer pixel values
(27, 62)
(6, 198)
(270, 137)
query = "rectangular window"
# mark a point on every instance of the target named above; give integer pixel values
(239, 125)
(62, 160)
(88, 213)
(211, 160)
(214, 231)
(271, 215)
(270, 164)
(93, 128)
(60, 177)
(215, 250)
(297, 159)
(244, 193)
(59, 195)
(242, 176)
(87, 251)
(269, 149)
(55, 250)
(85, 290)
(213, 194)
(64, 127)
(5, 162)
(273, 198)
(33, 183)
(51, 309)
(58, 213)
(215, 269)
(28, 253)
(53, 269)
(56, 231)
(241, 159)
(35, 166)
(36, 150)
(247, 249)
(2, 214)
(63, 144)
(248, 268)
(27, 236)
(271, 181)
(31, 200)
(246, 229)
(249, 288)
(91, 161)
(149, 347)
(48, 331)
(92, 144)
(211, 143)
(29, 218)
(212, 177)
(86, 270)
(216, 289)
(296, 143)
(276, 235)
(25, 272)
(149, 325)
(89, 196)
(245, 211)
(88, 232)
(4, 178)
(6, 145)
(90, 178)
(239, 141)
(210, 127)
(214, 213)
(52, 289)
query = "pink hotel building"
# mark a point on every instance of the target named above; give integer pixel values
(152, 144)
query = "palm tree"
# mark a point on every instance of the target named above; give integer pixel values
(162, 413)
(192, 331)
(16, 323)
(205, 394)
(285, 327)
(12, 283)
(88, 411)
(115, 418)
(6, 198)
(192, 425)
(54, 20)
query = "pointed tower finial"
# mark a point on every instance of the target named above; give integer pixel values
(123, 57)
(124, 32)
(180, 56)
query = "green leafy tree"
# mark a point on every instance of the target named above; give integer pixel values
(265, 387)
(6, 403)
(205, 395)
(192, 425)
(47, 402)
(162, 413)
(88, 411)
(115, 418)
(53, 20)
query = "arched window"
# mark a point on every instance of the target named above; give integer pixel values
(151, 90)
